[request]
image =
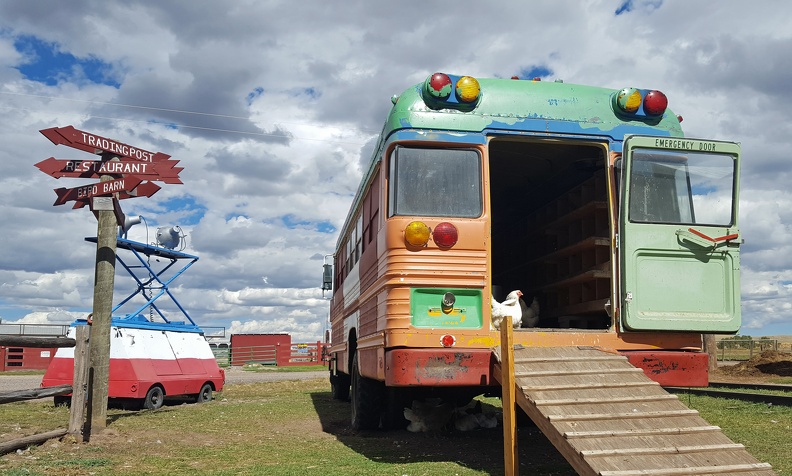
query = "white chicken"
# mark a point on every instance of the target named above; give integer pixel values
(508, 310)
(433, 414)
(530, 314)
(466, 419)
(429, 415)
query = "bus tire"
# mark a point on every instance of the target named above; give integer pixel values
(367, 400)
(154, 398)
(339, 386)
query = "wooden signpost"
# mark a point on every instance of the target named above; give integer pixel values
(124, 172)
(99, 189)
(165, 170)
(94, 144)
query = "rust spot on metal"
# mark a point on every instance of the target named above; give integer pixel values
(658, 366)
(443, 367)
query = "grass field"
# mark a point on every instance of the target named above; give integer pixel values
(744, 350)
(295, 428)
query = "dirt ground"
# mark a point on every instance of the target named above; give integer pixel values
(9, 382)
(762, 368)
(333, 423)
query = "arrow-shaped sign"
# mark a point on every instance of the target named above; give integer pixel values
(164, 171)
(94, 144)
(145, 189)
(167, 171)
(96, 189)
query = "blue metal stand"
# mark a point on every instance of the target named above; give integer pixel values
(153, 286)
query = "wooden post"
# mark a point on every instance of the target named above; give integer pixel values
(80, 383)
(711, 348)
(511, 464)
(106, 236)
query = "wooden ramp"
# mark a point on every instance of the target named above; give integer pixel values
(607, 418)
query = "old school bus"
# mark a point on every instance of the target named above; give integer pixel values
(588, 200)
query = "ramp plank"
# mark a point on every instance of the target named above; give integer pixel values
(608, 418)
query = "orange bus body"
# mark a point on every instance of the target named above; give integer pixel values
(556, 235)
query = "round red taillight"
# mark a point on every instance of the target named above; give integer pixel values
(447, 340)
(655, 103)
(445, 235)
(438, 85)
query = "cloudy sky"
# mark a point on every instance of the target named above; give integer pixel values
(271, 107)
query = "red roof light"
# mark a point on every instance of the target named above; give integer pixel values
(439, 85)
(655, 103)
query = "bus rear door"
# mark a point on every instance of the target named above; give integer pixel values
(678, 238)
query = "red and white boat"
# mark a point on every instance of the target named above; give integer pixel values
(148, 361)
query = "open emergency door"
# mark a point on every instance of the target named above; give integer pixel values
(679, 242)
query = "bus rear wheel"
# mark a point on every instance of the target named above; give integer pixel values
(367, 400)
(339, 385)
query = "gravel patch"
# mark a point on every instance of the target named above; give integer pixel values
(13, 383)
(234, 375)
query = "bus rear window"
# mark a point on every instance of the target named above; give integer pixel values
(697, 188)
(435, 182)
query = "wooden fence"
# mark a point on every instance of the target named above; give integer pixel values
(261, 354)
(292, 355)
(79, 391)
(745, 349)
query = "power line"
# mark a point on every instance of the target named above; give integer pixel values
(184, 126)
(133, 106)
(233, 131)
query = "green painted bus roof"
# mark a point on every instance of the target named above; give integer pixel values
(522, 105)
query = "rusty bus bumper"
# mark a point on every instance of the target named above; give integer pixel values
(475, 367)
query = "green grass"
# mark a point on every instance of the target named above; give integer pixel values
(763, 429)
(295, 428)
(782, 393)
